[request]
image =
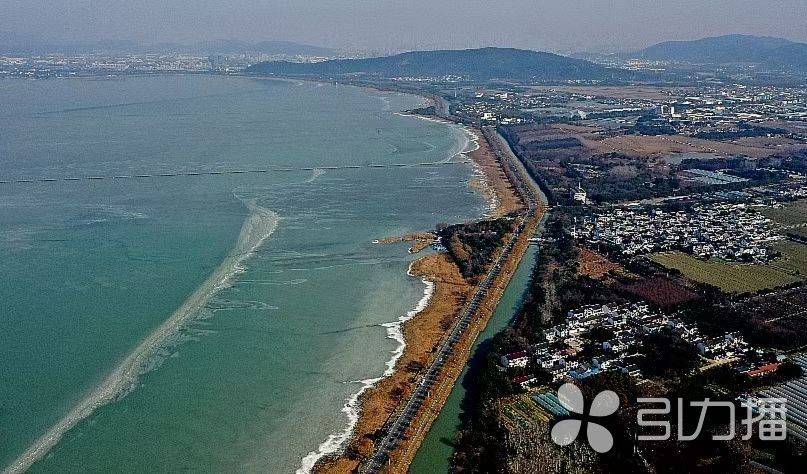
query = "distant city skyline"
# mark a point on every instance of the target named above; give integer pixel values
(387, 25)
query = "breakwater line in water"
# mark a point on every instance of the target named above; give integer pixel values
(467, 142)
(258, 226)
(225, 172)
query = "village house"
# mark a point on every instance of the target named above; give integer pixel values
(733, 232)
(515, 359)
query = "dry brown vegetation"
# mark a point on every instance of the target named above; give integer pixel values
(595, 265)
(424, 332)
(617, 92)
(646, 147)
(421, 240)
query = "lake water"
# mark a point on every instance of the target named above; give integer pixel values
(221, 322)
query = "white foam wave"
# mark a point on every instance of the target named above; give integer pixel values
(351, 407)
(395, 328)
(473, 143)
(258, 226)
(315, 173)
(468, 140)
(385, 103)
(336, 440)
(298, 281)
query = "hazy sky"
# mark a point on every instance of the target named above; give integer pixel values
(560, 25)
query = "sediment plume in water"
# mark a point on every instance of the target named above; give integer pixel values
(258, 226)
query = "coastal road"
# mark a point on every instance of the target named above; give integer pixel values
(403, 418)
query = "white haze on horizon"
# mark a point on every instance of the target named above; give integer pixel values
(390, 25)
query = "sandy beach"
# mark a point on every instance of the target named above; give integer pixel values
(424, 332)
(413, 437)
(494, 183)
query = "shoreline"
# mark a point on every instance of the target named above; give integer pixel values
(406, 451)
(495, 184)
(352, 407)
(400, 457)
(419, 334)
(425, 329)
(397, 330)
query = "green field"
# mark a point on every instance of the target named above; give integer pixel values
(793, 214)
(799, 231)
(794, 258)
(741, 278)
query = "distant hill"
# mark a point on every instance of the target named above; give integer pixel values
(478, 64)
(730, 49)
(11, 43)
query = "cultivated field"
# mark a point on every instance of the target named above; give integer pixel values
(780, 316)
(741, 278)
(794, 258)
(621, 92)
(642, 147)
(792, 214)
(800, 232)
(595, 265)
(661, 291)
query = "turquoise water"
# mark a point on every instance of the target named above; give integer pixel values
(217, 323)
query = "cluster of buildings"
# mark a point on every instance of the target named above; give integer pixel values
(449, 78)
(798, 192)
(732, 232)
(65, 65)
(570, 351)
(700, 111)
(508, 107)
(707, 177)
(722, 108)
(58, 65)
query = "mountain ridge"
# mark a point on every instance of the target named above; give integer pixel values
(480, 64)
(737, 48)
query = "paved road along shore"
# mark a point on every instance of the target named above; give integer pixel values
(403, 418)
